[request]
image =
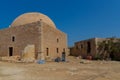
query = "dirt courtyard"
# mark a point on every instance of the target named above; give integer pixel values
(71, 70)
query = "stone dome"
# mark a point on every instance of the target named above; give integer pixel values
(32, 17)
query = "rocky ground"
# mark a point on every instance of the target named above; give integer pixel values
(73, 69)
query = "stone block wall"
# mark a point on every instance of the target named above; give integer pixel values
(84, 48)
(55, 42)
(46, 39)
(18, 38)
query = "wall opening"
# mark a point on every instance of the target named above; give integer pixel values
(57, 40)
(47, 51)
(57, 50)
(88, 47)
(13, 38)
(81, 46)
(10, 51)
(63, 49)
(63, 56)
(77, 47)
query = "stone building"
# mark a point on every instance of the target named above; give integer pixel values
(33, 35)
(86, 48)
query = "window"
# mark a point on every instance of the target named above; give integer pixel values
(47, 51)
(63, 49)
(57, 40)
(13, 38)
(57, 50)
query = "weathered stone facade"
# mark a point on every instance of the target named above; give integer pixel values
(86, 47)
(48, 41)
(23, 35)
(54, 40)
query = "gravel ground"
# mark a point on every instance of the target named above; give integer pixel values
(70, 70)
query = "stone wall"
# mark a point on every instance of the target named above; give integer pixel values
(23, 35)
(55, 42)
(47, 40)
(81, 48)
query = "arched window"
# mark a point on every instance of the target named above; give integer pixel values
(57, 40)
(13, 38)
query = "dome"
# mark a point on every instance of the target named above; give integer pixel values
(32, 17)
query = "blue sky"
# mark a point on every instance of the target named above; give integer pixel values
(80, 19)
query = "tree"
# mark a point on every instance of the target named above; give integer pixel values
(109, 48)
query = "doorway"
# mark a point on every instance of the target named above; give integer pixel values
(10, 51)
(63, 56)
(88, 47)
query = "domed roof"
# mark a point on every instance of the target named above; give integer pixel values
(32, 17)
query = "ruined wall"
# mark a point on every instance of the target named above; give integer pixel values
(54, 39)
(81, 48)
(29, 53)
(23, 35)
(84, 48)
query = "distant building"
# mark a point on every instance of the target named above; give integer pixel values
(85, 47)
(90, 47)
(33, 34)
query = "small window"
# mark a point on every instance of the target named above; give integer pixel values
(57, 40)
(63, 49)
(13, 39)
(47, 51)
(57, 50)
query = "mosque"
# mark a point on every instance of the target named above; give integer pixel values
(33, 35)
